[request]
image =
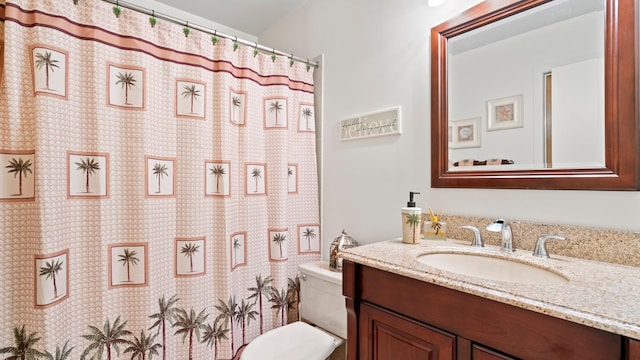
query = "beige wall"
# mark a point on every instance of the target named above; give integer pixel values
(377, 56)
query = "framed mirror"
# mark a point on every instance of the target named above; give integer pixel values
(537, 94)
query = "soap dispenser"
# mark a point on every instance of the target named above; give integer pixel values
(411, 221)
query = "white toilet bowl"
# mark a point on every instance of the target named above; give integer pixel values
(322, 305)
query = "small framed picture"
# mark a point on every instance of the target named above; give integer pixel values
(504, 113)
(464, 133)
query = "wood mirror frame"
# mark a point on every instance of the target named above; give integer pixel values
(622, 130)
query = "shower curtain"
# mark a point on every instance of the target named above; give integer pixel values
(158, 186)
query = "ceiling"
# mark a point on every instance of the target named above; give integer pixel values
(249, 16)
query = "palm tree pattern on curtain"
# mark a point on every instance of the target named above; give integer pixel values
(45, 61)
(189, 250)
(217, 171)
(309, 234)
(50, 271)
(88, 148)
(89, 167)
(128, 258)
(236, 109)
(19, 168)
(236, 245)
(279, 239)
(189, 326)
(307, 113)
(276, 107)
(256, 174)
(191, 93)
(127, 80)
(159, 170)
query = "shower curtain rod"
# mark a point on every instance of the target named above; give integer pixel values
(209, 31)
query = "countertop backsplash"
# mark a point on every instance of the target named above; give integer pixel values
(606, 245)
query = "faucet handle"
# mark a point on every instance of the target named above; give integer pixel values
(540, 249)
(477, 237)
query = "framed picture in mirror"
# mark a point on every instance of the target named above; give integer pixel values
(504, 113)
(464, 133)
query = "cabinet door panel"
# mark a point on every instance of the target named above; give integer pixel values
(632, 349)
(481, 353)
(388, 336)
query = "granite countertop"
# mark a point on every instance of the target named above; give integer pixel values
(600, 295)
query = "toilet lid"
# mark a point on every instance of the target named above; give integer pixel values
(295, 341)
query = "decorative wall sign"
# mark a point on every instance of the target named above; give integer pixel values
(464, 133)
(504, 113)
(378, 123)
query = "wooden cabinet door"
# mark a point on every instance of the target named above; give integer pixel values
(632, 349)
(482, 353)
(385, 335)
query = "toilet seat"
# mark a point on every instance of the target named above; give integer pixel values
(295, 341)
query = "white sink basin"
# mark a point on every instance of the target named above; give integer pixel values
(491, 268)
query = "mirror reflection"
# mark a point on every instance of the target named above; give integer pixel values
(527, 92)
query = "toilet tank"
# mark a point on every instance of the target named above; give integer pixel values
(321, 300)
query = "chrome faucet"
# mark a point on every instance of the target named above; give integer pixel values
(502, 226)
(541, 245)
(477, 237)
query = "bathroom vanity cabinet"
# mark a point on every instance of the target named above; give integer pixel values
(391, 317)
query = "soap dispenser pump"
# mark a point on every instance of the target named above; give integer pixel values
(411, 221)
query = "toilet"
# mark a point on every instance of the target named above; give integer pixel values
(323, 325)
